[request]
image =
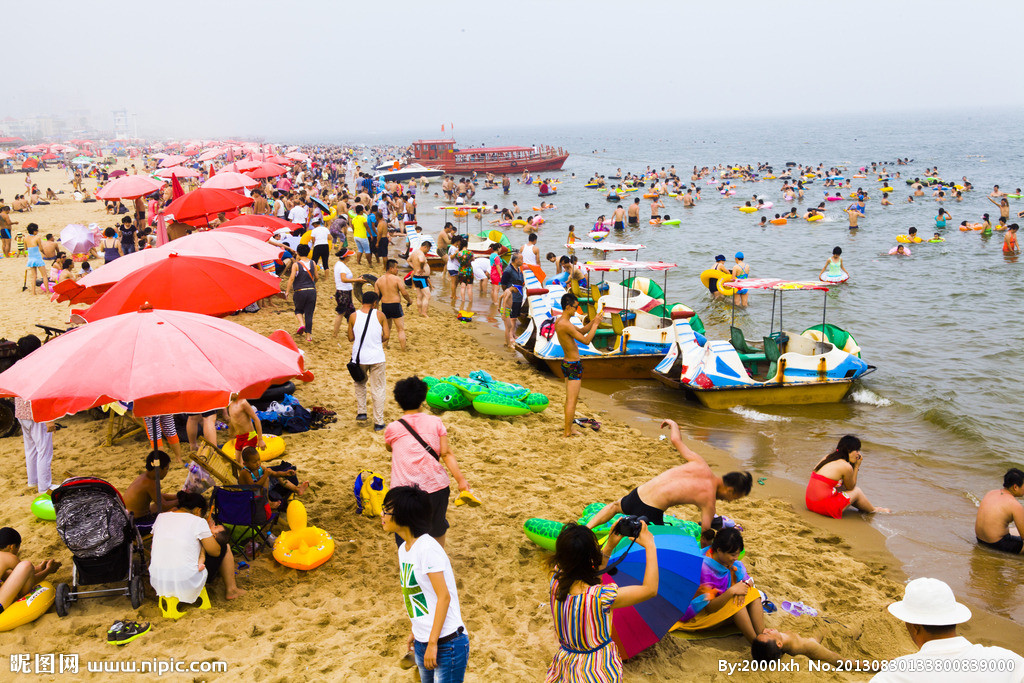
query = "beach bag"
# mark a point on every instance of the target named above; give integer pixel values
(354, 368)
(198, 480)
(369, 490)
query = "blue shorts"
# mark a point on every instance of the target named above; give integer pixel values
(362, 245)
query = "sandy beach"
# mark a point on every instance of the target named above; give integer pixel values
(345, 621)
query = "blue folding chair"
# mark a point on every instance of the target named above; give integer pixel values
(242, 511)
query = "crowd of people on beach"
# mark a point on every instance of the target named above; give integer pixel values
(334, 207)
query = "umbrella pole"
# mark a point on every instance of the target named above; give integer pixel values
(159, 496)
(824, 305)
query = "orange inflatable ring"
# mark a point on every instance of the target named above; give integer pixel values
(778, 221)
(650, 196)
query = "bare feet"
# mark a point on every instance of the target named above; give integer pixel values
(574, 432)
(884, 510)
(303, 487)
(236, 593)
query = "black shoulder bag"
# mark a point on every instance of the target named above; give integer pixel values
(354, 368)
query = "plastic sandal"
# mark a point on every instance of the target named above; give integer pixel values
(799, 609)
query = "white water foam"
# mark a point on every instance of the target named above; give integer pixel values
(868, 397)
(756, 416)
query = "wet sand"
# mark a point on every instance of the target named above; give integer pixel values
(345, 620)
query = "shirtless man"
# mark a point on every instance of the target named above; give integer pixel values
(854, 213)
(421, 276)
(619, 218)
(633, 213)
(391, 289)
(655, 205)
(998, 508)
(688, 198)
(5, 230)
(241, 419)
(141, 496)
(691, 484)
(572, 368)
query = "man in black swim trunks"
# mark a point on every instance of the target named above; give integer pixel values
(572, 367)
(690, 484)
(392, 290)
(633, 213)
(421, 275)
(997, 509)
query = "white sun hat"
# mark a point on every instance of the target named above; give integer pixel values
(929, 602)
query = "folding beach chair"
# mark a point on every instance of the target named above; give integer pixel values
(121, 423)
(242, 510)
(215, 461)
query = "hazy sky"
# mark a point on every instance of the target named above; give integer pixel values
(335, 69)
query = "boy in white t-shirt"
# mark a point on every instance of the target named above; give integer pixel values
(343, 284)
(438, 639)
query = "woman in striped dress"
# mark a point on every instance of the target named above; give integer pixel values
(582, 607)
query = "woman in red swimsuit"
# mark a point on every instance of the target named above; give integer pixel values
(833, 483)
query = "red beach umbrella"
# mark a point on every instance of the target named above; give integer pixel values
(267, 170)
(205, 202)
(229, 180)
(129, 187)
(180, 171)
(199, 284)
(118, 173)
(165, 361)
(172, 160)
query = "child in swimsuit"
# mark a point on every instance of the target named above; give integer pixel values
(284, 484)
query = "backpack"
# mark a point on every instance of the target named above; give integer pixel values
(369, 490)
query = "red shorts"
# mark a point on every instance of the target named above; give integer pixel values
(243, 440)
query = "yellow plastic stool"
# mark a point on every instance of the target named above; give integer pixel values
(169, 605)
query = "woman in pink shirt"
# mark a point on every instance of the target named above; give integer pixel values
(419, 443)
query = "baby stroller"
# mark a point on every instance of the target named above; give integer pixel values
(105, 545)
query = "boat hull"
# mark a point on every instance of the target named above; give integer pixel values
(498, 166)
(804, 393)
(598, 367)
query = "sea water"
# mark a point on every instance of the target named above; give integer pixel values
(941, 418)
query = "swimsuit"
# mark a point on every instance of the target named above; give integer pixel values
(420, 282)
(1007, 544)
(632, 505)
(35, 259)
(743, 276)
(572, 369)
(393, 310)
(823, 497)
(243, 440)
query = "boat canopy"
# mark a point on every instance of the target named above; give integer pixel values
(625, 264)
(605, 246)
(773, 284)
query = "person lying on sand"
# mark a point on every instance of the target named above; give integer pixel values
(19, 576)
(770, 644)
(691, 484)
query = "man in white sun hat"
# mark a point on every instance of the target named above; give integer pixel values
(931, 613)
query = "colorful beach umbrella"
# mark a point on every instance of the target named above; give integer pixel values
(213, 286)
(636, 628)
(78, 239)
(129, 187)
(205, 202)
(230, 180)
(164, 361)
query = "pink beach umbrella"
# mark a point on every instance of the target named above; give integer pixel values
(180, 171)
(173, 160)
(129, 187)
(230, 180)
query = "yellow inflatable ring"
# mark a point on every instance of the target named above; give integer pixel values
(815, 217)
(711, 274)
(886, 189)
(331, 216)
(302, 547)
(748, 209)
(520, 223)
(28, 608)
(273, 447)
(905, 239)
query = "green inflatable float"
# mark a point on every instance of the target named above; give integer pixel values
(499, 404)
(42, 507)
(544, 532)
(447, 396)
(536, 402)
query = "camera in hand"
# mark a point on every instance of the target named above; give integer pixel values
(629, 526)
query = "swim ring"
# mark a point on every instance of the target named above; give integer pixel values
(766, 205)
(895, 250)
(673, 221)
(544, 532)
(645, 285)
(834, 279)
(748, 209)
(711, 274)
(42, 507)
(905, 239)
(837, 199)
(936, 241)
(28, 608)
(302, 547)
(815, 217)
(886, 189)
(651, 195)
(778, 221)
(519, 223)
(598, 235)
